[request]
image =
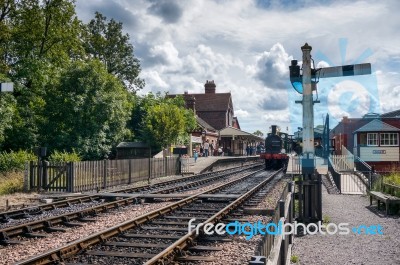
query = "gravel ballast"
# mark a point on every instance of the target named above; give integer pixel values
(352, 248)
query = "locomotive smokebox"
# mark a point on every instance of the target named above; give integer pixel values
(273, 129)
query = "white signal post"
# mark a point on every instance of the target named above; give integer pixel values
(310, 195)
(308, 108)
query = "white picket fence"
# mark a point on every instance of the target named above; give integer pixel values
(343, 162)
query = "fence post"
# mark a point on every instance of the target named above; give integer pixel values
(70, 177)
(148, 180)
(45, 165)
(31, 175)
(291, 208)
(105, 173)
(282, 252)
(130, 171)
(26, 176)
(369, 181)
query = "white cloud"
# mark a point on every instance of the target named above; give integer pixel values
(238, 44)
(272, 67)
(166, 54)
(242, 113)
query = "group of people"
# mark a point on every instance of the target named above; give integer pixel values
(207, 149)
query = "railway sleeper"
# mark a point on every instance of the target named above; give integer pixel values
(48, 227)
(67, 222)
(5, 240)
(83, 218)
(28, 232)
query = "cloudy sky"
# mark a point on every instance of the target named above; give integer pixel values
(246, 46)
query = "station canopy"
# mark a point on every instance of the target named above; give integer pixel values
(239, 134)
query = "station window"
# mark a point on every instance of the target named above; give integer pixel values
(363, 139)
(372, 139)
(389, 139)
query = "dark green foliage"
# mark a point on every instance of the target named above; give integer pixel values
(87, 111)
(75, 84)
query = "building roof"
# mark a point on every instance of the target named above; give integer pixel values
(203, 124)
(392, 114)
(210, 101)
(377, 126)
(233, 132)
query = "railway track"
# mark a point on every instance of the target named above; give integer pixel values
(161, 235)
(160, 187)
(73, 216)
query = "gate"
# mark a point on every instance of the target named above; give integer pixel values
(49, 176)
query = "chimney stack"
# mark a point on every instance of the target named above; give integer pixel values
(273, 129)
(209, 87)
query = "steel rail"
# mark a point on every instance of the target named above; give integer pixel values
(168, 254)
(48, 223)
(61, 253)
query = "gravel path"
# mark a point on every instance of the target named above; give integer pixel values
(352, 248)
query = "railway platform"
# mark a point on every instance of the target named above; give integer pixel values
(204, 164)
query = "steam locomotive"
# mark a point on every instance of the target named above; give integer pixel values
(275, 150)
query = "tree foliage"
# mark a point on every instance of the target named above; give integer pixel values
(75, 84)
(258, 133)
(161, 120)
(87, 111)
(106, 42)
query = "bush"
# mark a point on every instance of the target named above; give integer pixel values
(57, 156)
(393, 179)
(14, 161)
(11, 183)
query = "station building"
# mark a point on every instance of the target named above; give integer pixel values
(374, 138)
(216, 121)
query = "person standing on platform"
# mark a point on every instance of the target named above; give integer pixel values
(212, 147)
(195, 155)
(206, 148)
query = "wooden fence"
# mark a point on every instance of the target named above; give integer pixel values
(96, 175)
(277, 248)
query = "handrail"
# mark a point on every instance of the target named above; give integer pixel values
(363, 162)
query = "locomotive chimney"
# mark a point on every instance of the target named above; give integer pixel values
(273, 129)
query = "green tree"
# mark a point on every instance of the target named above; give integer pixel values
(88, 110)
(7, 111)
(258, 133)
(161, 120)
(106, 42)
(43, 38)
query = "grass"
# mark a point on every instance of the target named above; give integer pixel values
(393, 178)
(294, 259)
(11, 182)
(326, 219)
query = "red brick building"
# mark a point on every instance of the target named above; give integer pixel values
(214, 113)
(373, 138)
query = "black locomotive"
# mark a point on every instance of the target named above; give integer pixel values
(275, 153)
